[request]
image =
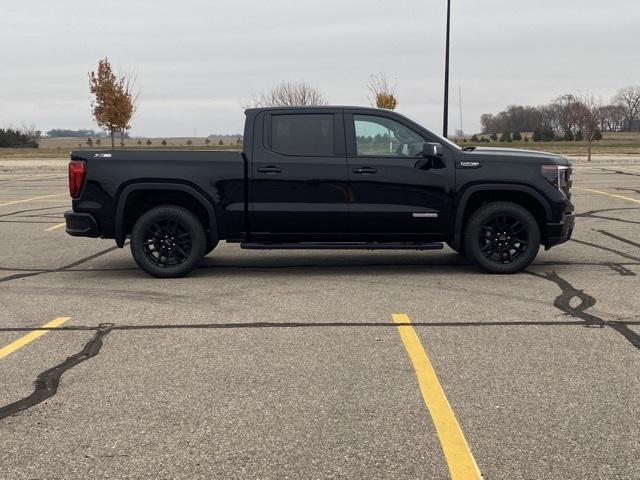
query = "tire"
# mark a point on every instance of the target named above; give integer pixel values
(502, 237)
(453, 247)
(168, 241)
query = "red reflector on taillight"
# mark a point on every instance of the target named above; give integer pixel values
(77, 170)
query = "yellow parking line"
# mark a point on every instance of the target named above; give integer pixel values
(462, 465)
(55, 227)
(608, 194)
(30, 199)
(31, 336)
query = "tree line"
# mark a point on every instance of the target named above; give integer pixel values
(565, 116)
(17, 138)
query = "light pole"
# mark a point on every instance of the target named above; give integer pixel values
(445, 119)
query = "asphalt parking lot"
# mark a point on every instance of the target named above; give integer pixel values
(291, 365)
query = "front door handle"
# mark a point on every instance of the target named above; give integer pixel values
(271, 170)
(365, 170)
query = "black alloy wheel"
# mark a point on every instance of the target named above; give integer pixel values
(502, 237)
(168, 241)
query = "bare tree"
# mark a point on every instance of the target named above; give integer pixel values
(383, 93)
(114, 102)
(288, 94)
(588, 119)
(629, 100)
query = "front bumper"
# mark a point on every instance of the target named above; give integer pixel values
(81, 224)
(558, 233)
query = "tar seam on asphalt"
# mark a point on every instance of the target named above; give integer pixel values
(32, 210)
(61, 269)
(620, 172)
(46, 384)
(592, 214)
(617, 237)
(563, 303)
(607, 249)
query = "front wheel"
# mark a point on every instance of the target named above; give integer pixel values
(168, 241)
(502, 237)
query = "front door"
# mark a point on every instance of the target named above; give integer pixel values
(298, 176)
(394, 192)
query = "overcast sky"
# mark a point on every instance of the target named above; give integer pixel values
(196, 60)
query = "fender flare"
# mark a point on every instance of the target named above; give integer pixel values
(120, 234)
(464, 199)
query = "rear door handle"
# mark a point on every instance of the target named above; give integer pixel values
(271, 170)
(365, 170)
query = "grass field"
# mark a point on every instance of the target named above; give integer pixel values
(619, 143)
(60, 147)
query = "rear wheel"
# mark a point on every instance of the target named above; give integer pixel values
(168, 241)
(502, 237)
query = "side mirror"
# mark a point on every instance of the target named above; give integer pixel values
(431, 149)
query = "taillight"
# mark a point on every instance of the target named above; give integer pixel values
(77, 171)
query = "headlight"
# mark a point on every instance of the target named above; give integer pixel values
(556, 175)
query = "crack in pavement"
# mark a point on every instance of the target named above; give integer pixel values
(607, 249)
(32, 210)
(46, 384)
(592, 214)
(563, 303)
(619, 238)
(60, 269)
(258, 325)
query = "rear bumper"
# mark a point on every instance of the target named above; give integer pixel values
(558, 233)
(81, 224)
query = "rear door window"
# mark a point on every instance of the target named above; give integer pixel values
(307, 135)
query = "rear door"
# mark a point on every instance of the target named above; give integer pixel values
(298, 174)
(394, 192)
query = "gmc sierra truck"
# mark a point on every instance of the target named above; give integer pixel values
(324, 178)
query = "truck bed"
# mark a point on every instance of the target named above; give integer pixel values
(218, 176)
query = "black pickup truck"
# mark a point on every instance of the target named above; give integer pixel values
(324, 178)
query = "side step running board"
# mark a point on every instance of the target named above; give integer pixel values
(341, 246)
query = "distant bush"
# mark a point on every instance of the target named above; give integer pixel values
(494, 137)
(474, 138)
(516, 136)
(207, 141)
(579, 137)
(568, 136)
(220, 142)
(505, 137)
(17, 138)
(98, 142)
(139, 142)
(597, 135)
(164, 143)
(189, 142)
(543, 135)
(149, 142)
(239, 140)
(90, 142)
(526, 138)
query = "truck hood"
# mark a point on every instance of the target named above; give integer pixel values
(515, 153)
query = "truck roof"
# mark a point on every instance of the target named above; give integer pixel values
(319, 107)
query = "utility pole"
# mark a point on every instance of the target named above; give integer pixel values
(460, 97)
(446, 76)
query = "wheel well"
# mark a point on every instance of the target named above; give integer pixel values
(141, 201)
(478, 199)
